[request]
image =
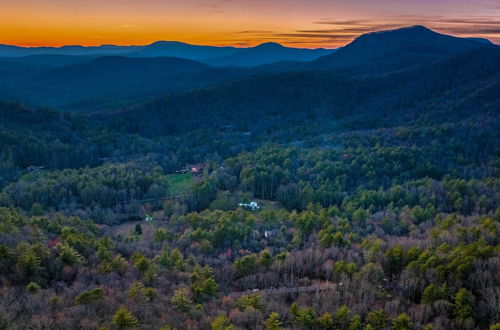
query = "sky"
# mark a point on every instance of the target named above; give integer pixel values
(295, 23)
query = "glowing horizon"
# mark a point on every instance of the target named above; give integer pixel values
(317, 23)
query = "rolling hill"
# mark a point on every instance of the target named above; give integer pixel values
(103, 83)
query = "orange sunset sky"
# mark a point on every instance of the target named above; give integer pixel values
(313, 23)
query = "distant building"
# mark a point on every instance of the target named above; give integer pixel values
(265, 233)
(194, 169)
(33, 168)
(250, 206)
(269, 233)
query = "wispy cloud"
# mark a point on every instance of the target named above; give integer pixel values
(340, 31)
(254, 32)
(213, 6)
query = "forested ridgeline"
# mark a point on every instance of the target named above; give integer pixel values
(446, 90)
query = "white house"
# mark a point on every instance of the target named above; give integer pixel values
(269, 233)
(251, 206)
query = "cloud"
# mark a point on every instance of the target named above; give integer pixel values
(213, 6)
(339, 32)
(254, 32)
(487, 26)
(346, 30)
(328, 32)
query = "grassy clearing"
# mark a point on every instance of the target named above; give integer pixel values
(179, 183)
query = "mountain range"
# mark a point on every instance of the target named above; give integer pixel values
(218, 56)
(105, 78)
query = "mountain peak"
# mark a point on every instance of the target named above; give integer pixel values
(404, 46)
(417, 28)
(409, 31)
(270, 45)
(166, 43)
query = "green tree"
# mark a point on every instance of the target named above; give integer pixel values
(177, 259)
(273, 322)
(164, 259)
(252, 300)
(246, 265)
(433, 293)
(123, 319)
(463, 305)
(30, 263)
(305, 316)
(338, 239)
(33, 287)
(325, 321)
(181, 300)
(204, 289)
(203, 284)
(325, 236)
(342, 317)
(377, 319)
(265, 258)
(356, 323)
(90, 296)
(141, 263)
(161, 235)
(137, 290)
(68, 255)
(221, 322)
(402, 322)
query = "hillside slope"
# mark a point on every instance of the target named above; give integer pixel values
(397, 49)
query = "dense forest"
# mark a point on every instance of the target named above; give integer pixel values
(378, 203)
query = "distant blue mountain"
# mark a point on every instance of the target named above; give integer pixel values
(183, 50)
(16, 51)
(49, 61)
(218, 56)
(96, 82)
(268, 53)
